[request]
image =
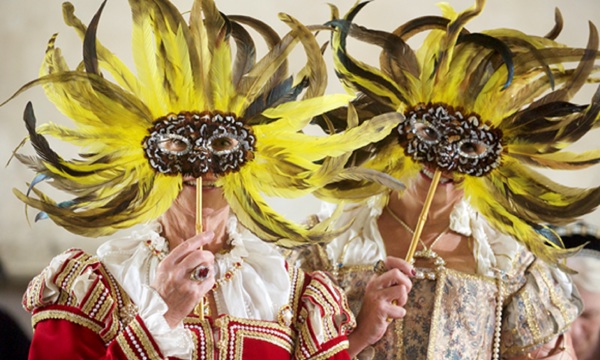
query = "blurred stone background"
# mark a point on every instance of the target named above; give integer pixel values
(26, 26)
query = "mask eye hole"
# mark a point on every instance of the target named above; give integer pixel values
(472, 149)
(174, 144)
(223, 144)
(426, 132)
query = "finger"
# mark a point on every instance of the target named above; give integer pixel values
(400, 264)
(394, 312)
(397, 294)
(392, 277)
(191, 244)
(195, 258)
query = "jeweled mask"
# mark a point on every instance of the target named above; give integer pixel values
(441, 136)
(194, 143)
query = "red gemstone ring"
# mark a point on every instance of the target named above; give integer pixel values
(200, 273)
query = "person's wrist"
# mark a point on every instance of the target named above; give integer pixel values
(357, 342)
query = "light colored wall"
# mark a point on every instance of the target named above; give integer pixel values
(26, 25)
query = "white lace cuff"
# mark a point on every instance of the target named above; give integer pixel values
(173, 342)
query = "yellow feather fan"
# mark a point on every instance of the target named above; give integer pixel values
(196, 104)
(487, 106)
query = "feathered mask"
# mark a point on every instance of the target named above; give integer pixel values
(486, 106)
(195, 106)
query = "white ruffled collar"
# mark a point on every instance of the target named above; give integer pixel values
(363, 244)
(257, 290)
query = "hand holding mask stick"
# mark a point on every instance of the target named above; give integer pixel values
(421, 222)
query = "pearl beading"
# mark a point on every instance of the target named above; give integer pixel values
(498, 322)
(136, 344)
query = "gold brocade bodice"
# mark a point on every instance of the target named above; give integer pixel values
(452, 317)
(456, 315)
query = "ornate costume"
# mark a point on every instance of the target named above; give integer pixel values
(97, 306)
(489, 107)
(483, 109)
(452, 314)
(197, 105)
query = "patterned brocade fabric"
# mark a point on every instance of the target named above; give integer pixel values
(454, 316)
(105, 308)
(540, 308)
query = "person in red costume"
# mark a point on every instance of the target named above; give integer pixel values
(198, 279)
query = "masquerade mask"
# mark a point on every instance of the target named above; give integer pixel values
(198, 143)
(141, 135)
(441, 136)
(511, 112)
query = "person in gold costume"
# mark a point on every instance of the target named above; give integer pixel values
(481, 111)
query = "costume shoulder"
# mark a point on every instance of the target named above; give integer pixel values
(309, 258)
(541, 303)
(323, 318)
(76, 287)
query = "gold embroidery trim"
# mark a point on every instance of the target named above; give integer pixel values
(203, 338)
(95, 300)
(531, 321)
(330, 352)
(305, 340)
(433, 331)
(253, 329)
(257, 334)
(68, 316)
(296, 281)
(147, 345)
(324, 298)
(122, 341)
(399, 332)
(554, 298)
(515, 350)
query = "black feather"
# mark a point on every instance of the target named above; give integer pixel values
(90, 55)
(496, 45)
(558, 25)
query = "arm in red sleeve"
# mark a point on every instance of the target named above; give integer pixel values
(56, 338)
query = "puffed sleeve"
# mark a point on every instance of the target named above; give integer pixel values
(324, 320)
(80, 312)
(542, 303)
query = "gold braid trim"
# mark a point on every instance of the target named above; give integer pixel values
(332, 351)
(68, 316)
(73, 266)
(530, 318)
(322, 293)
(297, 277)
(144, 349)
(124, 345)
(554, 297)
(33, 295)
(233, 331)
(203, 337)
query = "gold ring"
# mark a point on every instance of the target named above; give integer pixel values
(394, 302)
(379, 267)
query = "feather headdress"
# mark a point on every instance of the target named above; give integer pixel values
(487, 106)
(194, 94)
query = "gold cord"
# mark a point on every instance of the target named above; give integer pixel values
(412, 232)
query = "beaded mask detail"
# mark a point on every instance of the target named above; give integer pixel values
(442, 136)
(196, 143)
